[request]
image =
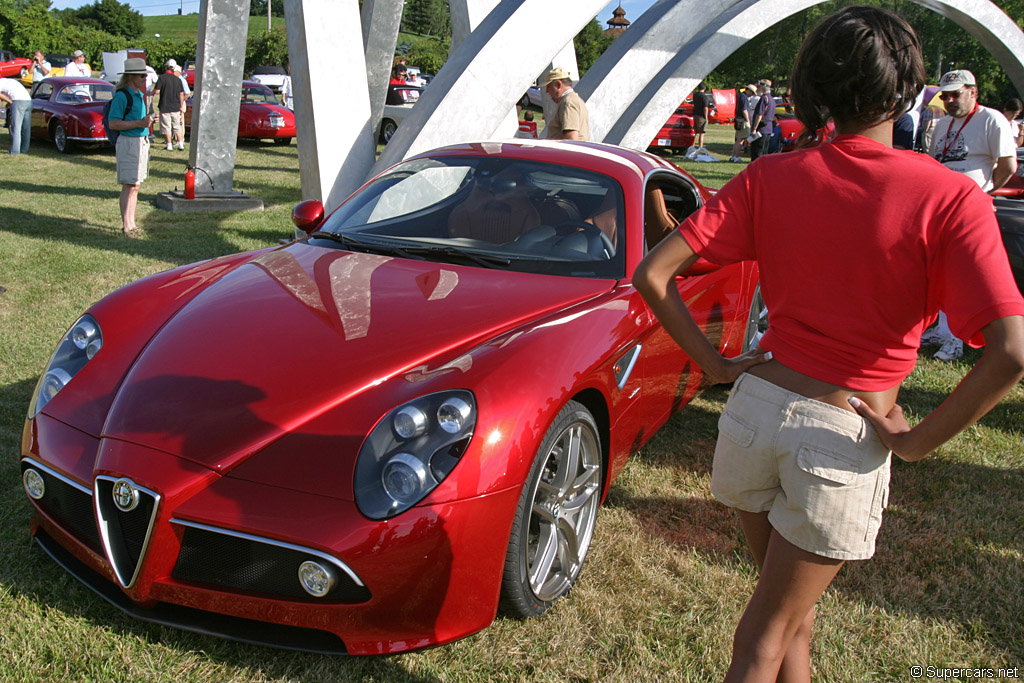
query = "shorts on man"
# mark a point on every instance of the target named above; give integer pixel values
(171, 121)
(700, 124)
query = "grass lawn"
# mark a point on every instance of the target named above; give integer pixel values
(186, 27)
(668, 573)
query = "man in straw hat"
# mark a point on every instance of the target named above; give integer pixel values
(132, 122)
(571, 120)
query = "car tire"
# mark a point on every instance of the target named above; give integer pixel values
(282, 141)
(757, 320)
(556, 515)
(525, 102)
(388, 128)
(60, 139)
(24, 72)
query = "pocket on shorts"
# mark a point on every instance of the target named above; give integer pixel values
(830, 466)
(736, 430)
(879, 503)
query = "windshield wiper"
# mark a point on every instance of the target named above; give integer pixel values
(455, 253)
(371, 247)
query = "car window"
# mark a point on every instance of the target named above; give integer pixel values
(536, 217)
(260, 95)
(43, 91)
(667, 202)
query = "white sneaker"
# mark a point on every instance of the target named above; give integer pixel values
(736, 160)
(932, 336)
(951, 350)
(169, 147)
(181, 145)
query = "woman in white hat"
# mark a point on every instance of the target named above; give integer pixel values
(128, 116)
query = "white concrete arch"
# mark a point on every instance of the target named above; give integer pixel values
(487, 73)
(634, 123)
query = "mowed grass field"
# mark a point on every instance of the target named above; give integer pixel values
(668, 573)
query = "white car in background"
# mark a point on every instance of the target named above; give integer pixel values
(271, 76)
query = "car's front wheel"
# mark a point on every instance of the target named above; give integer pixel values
(24, 72)
(387, 130)
(60, 139)
(557, 512)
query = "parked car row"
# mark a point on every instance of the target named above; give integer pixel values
(14, 67)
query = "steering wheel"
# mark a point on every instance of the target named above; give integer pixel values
(597, 242)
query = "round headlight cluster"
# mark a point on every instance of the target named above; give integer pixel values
(412, 450)
(316, 579)
(79, 346)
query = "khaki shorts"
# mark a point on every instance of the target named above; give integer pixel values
(132, 159)
(700, 124)
(819, 471)
(170, 122)
(742, 133)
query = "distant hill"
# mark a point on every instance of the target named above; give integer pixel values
(175, 27)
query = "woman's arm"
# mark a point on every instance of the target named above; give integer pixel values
(1000, 368)
(655, 279)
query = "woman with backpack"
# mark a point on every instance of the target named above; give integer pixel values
(129, 119)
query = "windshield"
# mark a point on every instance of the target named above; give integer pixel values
(260, 94)
(506, 213)
(79, 93)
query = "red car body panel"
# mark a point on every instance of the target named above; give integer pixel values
(240, 390)
(13, 67)
(263, 119)
(81, 120)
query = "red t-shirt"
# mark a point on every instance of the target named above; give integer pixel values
(859, 246)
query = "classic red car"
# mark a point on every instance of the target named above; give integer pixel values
(69, 111)
(260, 116)
(725, 106)
(359, 441)
(13, 67)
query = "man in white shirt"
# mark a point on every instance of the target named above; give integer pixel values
(40, 67)
(12, 92)
(973, 140)
(77, 66)
(978, 142)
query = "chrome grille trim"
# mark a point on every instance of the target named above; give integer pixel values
(126, 569)
(54, 473)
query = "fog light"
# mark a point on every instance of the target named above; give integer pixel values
(404, 476)
(409, 422)
(316, 579)
(35, 487)
(452, 415)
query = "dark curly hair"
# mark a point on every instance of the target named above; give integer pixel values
(859, 65)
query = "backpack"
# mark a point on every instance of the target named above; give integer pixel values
(112, 135)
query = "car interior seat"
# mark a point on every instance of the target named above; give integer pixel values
(496, 210)
(658, 222)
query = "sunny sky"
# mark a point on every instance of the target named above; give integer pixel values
(634, 8)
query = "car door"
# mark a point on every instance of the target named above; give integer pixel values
(41, 109)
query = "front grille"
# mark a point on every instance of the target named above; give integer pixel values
(249, 563)
(124, 533)
(68, 504)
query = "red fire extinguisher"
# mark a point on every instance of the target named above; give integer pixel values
(190, 183)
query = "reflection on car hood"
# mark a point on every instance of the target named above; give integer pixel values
(300, 330)
(260, 109)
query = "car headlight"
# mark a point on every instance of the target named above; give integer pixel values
(81, 343)
(412, 450)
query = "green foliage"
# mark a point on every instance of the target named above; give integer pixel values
(427, 18)
(258, 8)
(30, 26)
(266, 48)
(590, 44)
(107, 15)
(429, 55)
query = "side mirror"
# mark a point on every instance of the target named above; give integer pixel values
(308, 215)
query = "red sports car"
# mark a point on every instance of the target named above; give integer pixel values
(13, 67)
(260, 116)
(361, 442)
(69, 110)
(677, 134)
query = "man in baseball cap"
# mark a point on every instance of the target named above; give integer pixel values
(77, 66)
(978, 142)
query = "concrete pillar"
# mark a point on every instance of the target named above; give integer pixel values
(467, 99)
(332, 103)
(380, 21)
(220, 56)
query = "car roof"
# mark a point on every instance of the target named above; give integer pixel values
(265, 70)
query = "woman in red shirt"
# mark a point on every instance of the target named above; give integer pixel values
(883, 240)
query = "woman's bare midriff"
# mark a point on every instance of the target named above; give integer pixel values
(779, 375)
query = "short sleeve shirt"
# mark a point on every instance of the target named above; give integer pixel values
(883, 240)
(170, 89)
(137, 111)
(973, 146)
(571, 115)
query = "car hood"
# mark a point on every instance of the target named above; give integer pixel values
(253, 109)
(300, 330)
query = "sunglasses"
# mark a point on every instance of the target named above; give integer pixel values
(954, 94)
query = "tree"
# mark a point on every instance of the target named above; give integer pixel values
(109, 16)
(427, 18)
(590, 43)
(258, 8)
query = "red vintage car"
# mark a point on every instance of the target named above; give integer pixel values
(261, 115)
(13, 67)
(360, 442)
(69, 111)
